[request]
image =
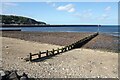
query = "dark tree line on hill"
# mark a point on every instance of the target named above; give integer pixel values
(10, 19)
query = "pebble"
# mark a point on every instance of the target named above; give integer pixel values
(90, 70)
(6, 46)
(2, 72)
(65, 77)
(13, 75)
(98, 77)
(49, 74)
(105, 67)
(63, 68)
(52, 68)
(46, 63)
(0, 77)
(67, 69)
(21, 58)
(23, 78)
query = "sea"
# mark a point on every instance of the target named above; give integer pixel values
(110, 30)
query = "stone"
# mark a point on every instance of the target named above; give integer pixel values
(2, 73)
(6, 46)
(50, 64)
(46, 63)
(101, 63)
(7, 73)
(13, 76)
(0, 77)
(90, 70)
(27, 59)
(63, 68)
(23, 78)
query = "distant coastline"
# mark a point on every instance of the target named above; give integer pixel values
(33, 25)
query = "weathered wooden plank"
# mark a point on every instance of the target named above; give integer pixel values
(34, 54)
(43, 52)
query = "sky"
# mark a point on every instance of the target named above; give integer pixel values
(104, 13)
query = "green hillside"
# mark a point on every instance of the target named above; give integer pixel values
(10, 19)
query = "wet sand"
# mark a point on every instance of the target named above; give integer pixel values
(101, 42)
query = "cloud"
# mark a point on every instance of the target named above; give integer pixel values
(51, 3)
(108, 8)
(85, 14)
(10, 4)
(68, 8)
(103, 17)
(77, 14)
(71, 10)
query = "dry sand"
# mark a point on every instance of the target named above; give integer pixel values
(77, 63)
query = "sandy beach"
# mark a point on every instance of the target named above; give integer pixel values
(77, 63)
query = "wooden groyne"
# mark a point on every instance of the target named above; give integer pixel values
(54, 52)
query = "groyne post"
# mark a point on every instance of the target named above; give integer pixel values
(30, 55)
(46, 52)
(39, 54)
(58, 51)
(53, 51)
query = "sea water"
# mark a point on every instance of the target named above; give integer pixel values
(111, 30)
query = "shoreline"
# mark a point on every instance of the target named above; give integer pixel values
(101, 42)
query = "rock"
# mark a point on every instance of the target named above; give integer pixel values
(105, 67)
(63, 68)
(24, 75)
(49, 74)
(27, 58)
(46, 63)
(0, 77)
(23, 78)
(52, 68)
(90, 70)
(2, 73)
(6, 46)
(98, 77)
(101, 63)
(65, 76)
(22, 58)
(13, 76)
(50, 64)
(7, 73)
